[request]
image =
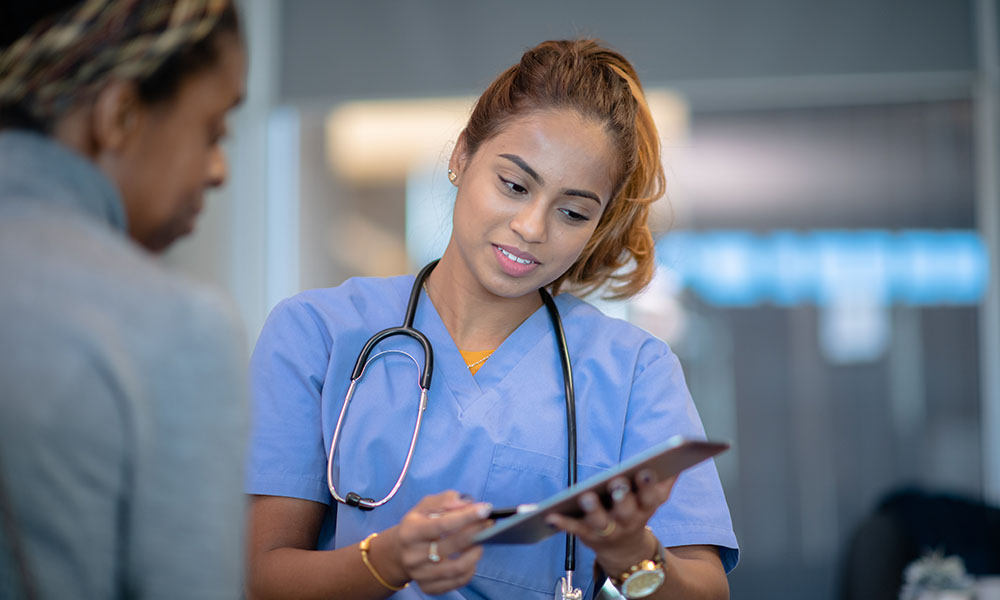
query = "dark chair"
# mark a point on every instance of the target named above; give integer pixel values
(906, 525)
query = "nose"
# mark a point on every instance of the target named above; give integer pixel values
(529, 222)
(218, 168)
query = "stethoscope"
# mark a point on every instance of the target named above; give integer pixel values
(564, 588)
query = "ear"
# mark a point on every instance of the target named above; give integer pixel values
(459, 155)
(115, 116)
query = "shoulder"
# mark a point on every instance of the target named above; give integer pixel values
(142, 335)
(592, 332)
(363, 303)
(178, 310)
(85, 275)
(355, 296)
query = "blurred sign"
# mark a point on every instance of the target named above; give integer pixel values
(784, 268)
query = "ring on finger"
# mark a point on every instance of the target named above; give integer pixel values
(608, 529)
(432, 553)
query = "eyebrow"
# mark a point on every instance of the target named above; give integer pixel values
(517, 160)
(583, 194)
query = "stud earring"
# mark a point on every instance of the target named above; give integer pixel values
(452, 176)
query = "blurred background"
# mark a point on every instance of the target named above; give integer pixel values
(826, 246)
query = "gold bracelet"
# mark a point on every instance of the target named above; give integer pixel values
(364, 546)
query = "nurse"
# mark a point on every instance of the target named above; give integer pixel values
(555, 173)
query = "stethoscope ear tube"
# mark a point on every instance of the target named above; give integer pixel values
(426, 371)
(406, 329)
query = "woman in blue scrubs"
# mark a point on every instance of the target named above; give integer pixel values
(555, 172)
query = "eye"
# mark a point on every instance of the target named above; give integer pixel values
(573, 215)
(516, 188)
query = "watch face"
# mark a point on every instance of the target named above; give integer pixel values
(642, 583)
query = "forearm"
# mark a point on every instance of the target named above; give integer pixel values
(325, 574)
(691, 572)
(691, 578)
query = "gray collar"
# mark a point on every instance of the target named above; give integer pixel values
(35, 168)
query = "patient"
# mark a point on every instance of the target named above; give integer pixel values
(122, 411)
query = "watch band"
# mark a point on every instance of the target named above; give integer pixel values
(644, 577)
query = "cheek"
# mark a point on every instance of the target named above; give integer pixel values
(181, 180)
(574, 244)
(178, 155)
(476, 208)
(575, 241)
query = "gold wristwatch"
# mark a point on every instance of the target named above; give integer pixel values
(642, 578)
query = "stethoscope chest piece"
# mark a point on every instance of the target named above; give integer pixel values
(565, 589)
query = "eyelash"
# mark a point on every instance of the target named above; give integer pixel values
(570, 215)
(510, 185)
(574, 216)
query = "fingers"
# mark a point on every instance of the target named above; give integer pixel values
(457, 542)
(651, 493)
(442, 515)
(452, 500)
(624, 504)
(447, 524)
(598, 525)
(451, 574)
(632, 505)
(597, 519)
(443, 502)
(436, 541)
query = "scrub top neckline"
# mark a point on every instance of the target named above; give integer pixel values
(449, 365)
(474, 359)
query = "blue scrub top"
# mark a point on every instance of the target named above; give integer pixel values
(499, 436)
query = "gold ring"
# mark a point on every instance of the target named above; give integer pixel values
(432, 553)
(608, 529)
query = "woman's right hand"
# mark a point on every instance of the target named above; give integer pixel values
(441, 527)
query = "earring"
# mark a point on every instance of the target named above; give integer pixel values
(452, 176)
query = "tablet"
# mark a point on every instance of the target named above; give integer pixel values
(528, 525)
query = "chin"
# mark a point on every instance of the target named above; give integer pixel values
(507, 287)
(156, 246)
(165, 238)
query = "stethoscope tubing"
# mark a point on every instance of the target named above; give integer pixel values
(354, 499)
(570, 394)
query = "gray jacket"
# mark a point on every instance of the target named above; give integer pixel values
(123, 415)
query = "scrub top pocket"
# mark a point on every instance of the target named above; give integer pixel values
(519, 476)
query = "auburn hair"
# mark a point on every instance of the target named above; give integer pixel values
(601, 85)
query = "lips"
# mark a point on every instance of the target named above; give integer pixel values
(515, 254)
(514, 262)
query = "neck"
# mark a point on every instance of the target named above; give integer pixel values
(476, 318)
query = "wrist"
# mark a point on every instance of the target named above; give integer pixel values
(642, 578)
(621, 558)
(386, 557)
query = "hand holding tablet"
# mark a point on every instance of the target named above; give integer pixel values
(526, 524)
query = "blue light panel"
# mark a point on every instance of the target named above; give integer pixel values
(786, 268)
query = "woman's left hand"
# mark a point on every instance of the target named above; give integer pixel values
(618, 536)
